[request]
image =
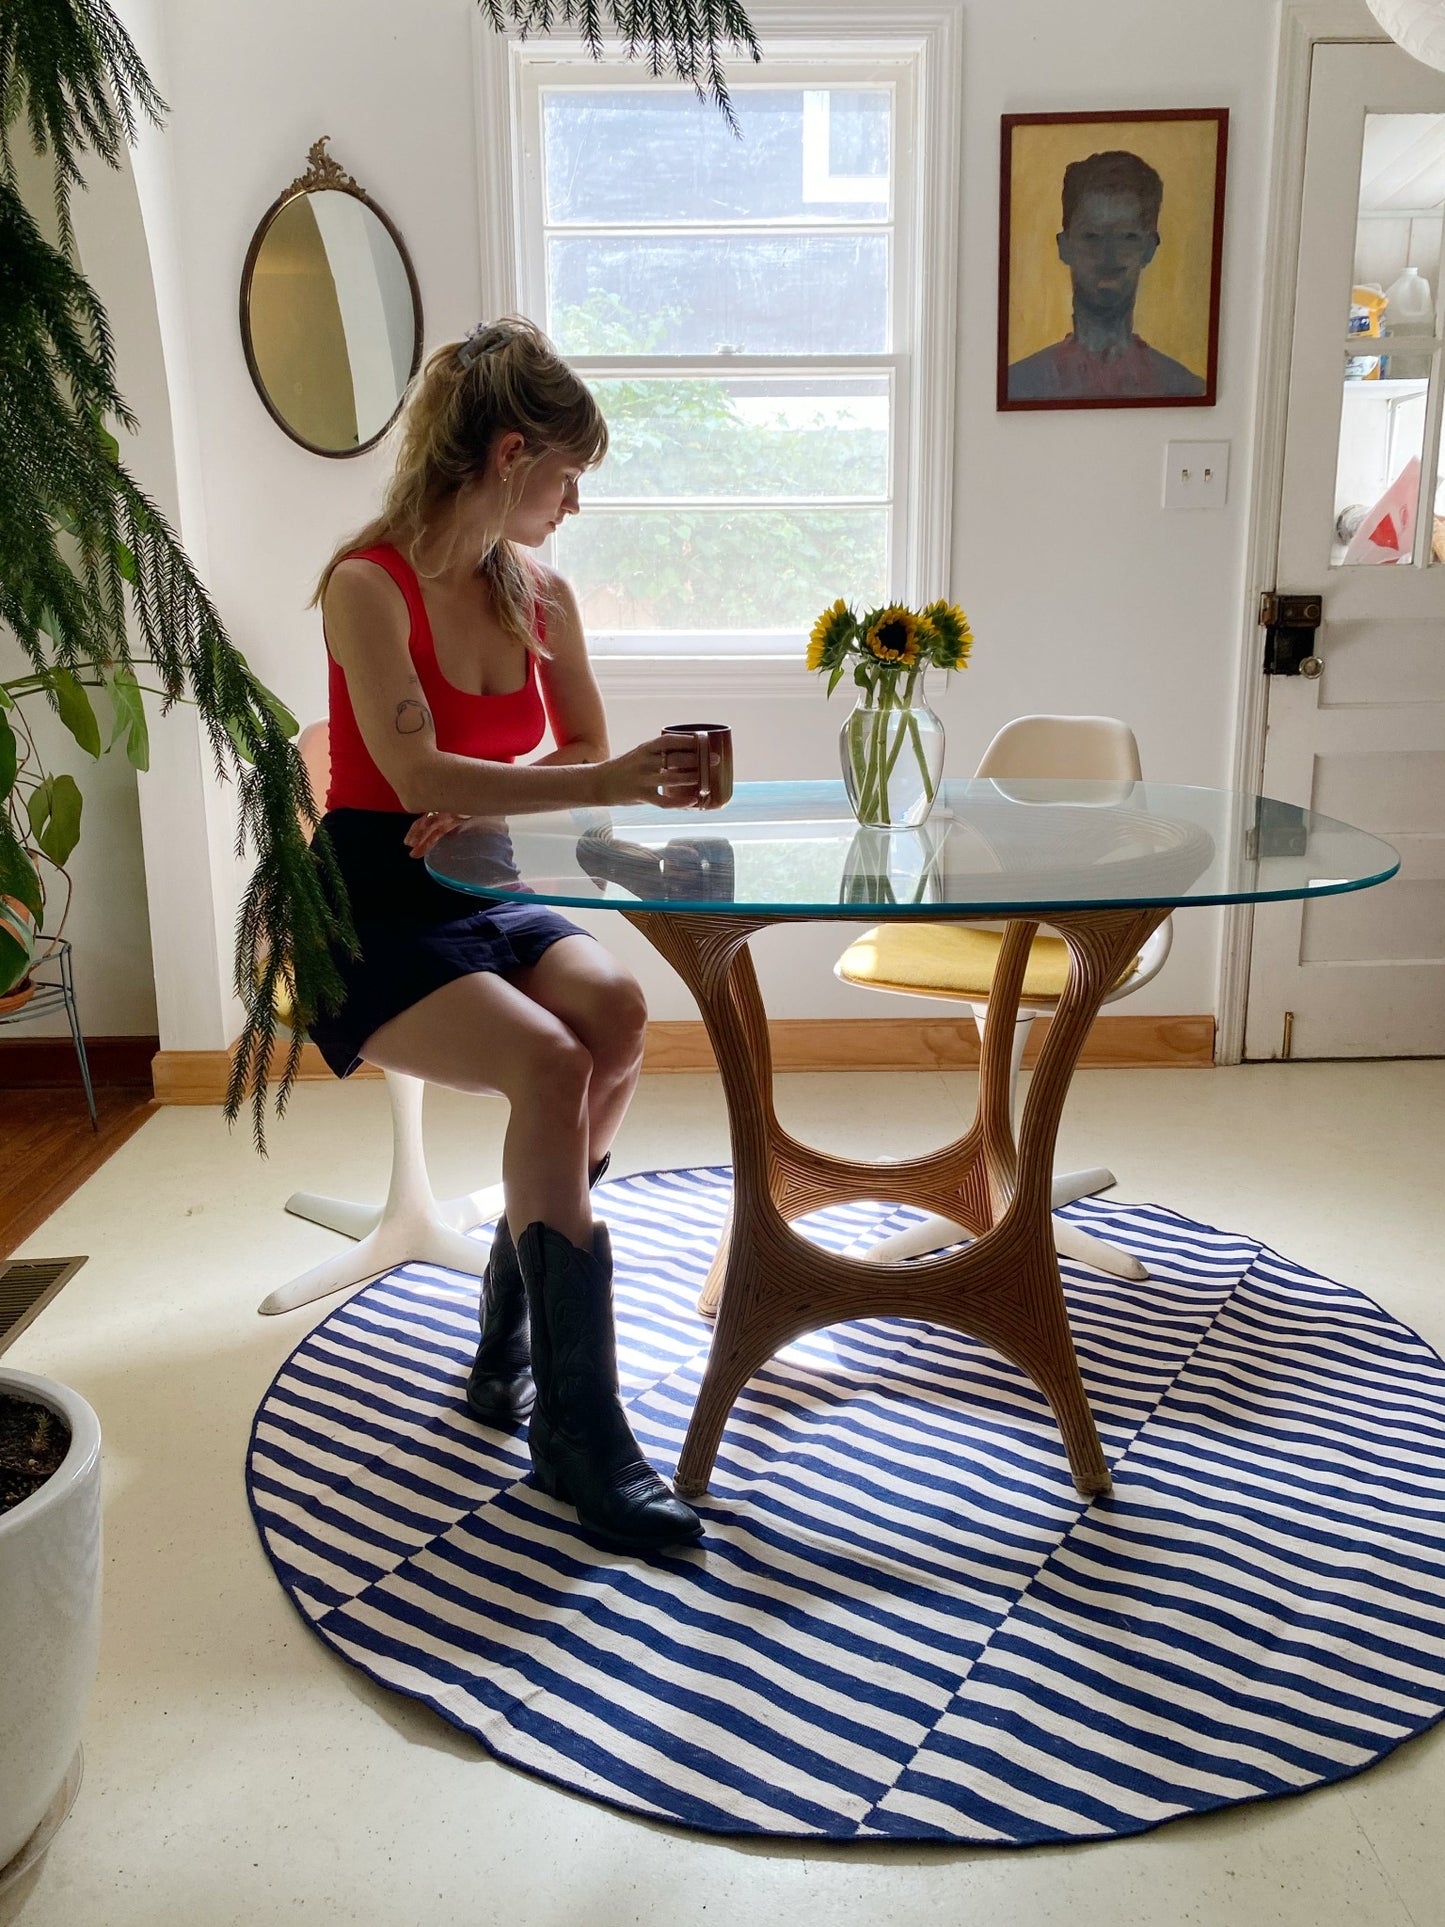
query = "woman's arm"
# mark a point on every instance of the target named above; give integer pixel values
(367, 627)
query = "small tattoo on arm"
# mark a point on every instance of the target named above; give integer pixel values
(411, 718)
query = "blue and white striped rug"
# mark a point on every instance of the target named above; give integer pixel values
(903, 1623)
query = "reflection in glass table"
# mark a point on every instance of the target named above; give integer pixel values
(1103, 864)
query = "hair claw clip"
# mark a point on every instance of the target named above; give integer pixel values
(471, 348)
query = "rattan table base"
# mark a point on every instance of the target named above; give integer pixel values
(768, 1285)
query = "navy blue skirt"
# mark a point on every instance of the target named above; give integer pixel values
(415, 934)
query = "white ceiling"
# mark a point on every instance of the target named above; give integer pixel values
(1403, 169)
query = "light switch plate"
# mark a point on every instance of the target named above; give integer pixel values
(1196, 475)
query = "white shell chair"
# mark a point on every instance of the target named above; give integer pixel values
(1090, 748)
(413, 1226)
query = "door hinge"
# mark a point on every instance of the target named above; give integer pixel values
(1279, 830)
(1290, 624)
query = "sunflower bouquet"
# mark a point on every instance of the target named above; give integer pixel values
(892, 743)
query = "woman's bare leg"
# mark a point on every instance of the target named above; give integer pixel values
(482, 1033)
(602, 1004)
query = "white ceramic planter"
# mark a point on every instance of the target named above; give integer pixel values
(49, 1617)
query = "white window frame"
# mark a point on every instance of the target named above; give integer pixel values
(917, 58)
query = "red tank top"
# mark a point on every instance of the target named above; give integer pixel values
(496, 729)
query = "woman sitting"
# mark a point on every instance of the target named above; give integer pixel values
(450, 653)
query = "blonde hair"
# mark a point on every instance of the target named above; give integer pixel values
(505, 377)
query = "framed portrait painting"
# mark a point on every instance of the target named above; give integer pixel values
(1109, 259)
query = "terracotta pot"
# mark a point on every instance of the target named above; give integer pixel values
(49, 1617)
(21, 994)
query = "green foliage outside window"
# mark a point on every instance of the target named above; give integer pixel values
(760, 570)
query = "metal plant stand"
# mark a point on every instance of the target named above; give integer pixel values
(54, 992)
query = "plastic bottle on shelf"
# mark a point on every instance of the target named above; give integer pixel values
(1367, 306)
(1410, 311)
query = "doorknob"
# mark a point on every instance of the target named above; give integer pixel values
(1290, 624)
(1312, 667)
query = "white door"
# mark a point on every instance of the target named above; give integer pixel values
(1363, 736)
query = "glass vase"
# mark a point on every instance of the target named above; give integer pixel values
(892, 748)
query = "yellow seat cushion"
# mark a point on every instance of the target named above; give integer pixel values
(952, 960)
(283, 1000)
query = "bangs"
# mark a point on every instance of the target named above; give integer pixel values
(584, 433)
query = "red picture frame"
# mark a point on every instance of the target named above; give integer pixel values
(1105, 251)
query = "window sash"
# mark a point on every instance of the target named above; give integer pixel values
(553, 70)
(536, 70)
(596, 368)
(721, 230)
(844, 72)
(662, 504)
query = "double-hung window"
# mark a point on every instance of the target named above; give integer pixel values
(748, 309)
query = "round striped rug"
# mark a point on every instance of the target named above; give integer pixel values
(903, 1623)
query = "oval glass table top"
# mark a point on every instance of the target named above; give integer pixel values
(992, 846)
(330, 318)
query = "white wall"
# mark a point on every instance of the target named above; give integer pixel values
(1085, 595)
(138, 250)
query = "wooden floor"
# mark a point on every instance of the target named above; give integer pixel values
(48, 1150)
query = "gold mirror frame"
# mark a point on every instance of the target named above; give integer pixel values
(323, 172)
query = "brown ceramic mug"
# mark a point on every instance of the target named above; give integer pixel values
(714, 760)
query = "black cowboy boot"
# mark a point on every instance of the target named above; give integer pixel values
(500, 1390)
(499, 1386)
(583, 1451)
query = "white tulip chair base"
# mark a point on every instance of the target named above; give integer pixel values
(412, 1225)
(904, 1623)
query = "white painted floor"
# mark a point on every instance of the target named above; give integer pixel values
(238, 1773)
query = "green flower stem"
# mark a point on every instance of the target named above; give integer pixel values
(917, 735)
(867, 794)
(880, 753)
(857, 757)
(868, 797)
(906, 705)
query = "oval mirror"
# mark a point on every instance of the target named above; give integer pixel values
(330, 313)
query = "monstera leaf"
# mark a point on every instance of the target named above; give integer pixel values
(130, 718)
(54, 808)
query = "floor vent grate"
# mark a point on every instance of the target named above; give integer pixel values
(27, 1286)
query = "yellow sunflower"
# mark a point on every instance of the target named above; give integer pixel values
(894, 636)
(831, 635)
(951, 638)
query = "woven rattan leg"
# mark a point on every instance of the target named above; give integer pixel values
(769, 1285)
